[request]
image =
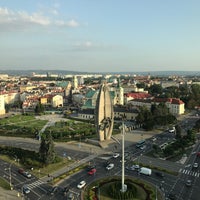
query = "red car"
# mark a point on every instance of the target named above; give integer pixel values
(21, 171)
(198, 154)
(92, 171)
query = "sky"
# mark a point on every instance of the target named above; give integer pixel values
(100, 35)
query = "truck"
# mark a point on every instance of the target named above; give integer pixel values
(145, 171)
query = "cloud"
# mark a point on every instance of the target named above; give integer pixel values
(11, 20)
(83, 45)
(72, 23)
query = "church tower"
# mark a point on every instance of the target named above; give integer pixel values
(119, 94)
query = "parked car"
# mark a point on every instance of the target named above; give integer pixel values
(25, 189)
(110, 166)
(92, 171)
(81, 184)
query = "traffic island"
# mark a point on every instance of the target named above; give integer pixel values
(110, 188)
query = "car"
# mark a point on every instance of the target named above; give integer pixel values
(198, 154)
(137, 167)
(187, 166)
(172, 196)
(132, 168)
(159, 174)
(143, 147)
(92, 171)
(26, 189)
(195, 165)
(54, 190)
(115, 155)
(110, 166)
(27, 174)
(81, 184)
(90, 167)
(65, 190)
(21, 170)
(188, 182)
(71, 196)
(154, 139)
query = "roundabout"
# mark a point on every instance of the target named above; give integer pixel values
(109, 188)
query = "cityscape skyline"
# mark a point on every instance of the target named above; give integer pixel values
(104, 36)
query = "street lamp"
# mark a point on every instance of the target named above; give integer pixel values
(10, 172)
(124, 187)
(97, 188)
(156, 192)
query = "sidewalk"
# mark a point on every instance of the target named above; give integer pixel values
(68, 168)
(8, 194)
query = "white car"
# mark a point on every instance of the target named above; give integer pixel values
(81, 184)
(143, 147)
(115, 155)
(26, 190)
(27, 174)
(137, 167)
(195, 165)
(110, 166)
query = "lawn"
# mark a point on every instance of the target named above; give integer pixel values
(21, 126)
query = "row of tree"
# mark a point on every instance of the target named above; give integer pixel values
(157, 115)
(189, 94)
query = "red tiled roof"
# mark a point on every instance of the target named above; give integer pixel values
(170, 100)
(138, 95)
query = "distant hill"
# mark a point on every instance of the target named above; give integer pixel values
(65, 72)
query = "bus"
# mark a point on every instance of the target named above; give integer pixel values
(140, 143)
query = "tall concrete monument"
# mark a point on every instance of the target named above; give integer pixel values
(104, 113)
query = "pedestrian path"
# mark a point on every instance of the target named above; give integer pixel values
(68, 168)
(189, 172)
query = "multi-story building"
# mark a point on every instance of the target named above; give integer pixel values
(176, 106)
(52, 100)
(2, 105)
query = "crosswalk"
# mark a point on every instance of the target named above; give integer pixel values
(35, 184)
(189, 172)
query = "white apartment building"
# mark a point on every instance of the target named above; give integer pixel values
(176, 106)
(2, 105)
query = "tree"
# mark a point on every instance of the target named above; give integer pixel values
(145, 117)
(39, 108)
(7, 108)
(47, 151)
(178, 131)
(155, 89)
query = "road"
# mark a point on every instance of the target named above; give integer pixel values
(88, 153)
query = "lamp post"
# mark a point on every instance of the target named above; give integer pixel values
(124, 187)
(156, 192)
(10, 172)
